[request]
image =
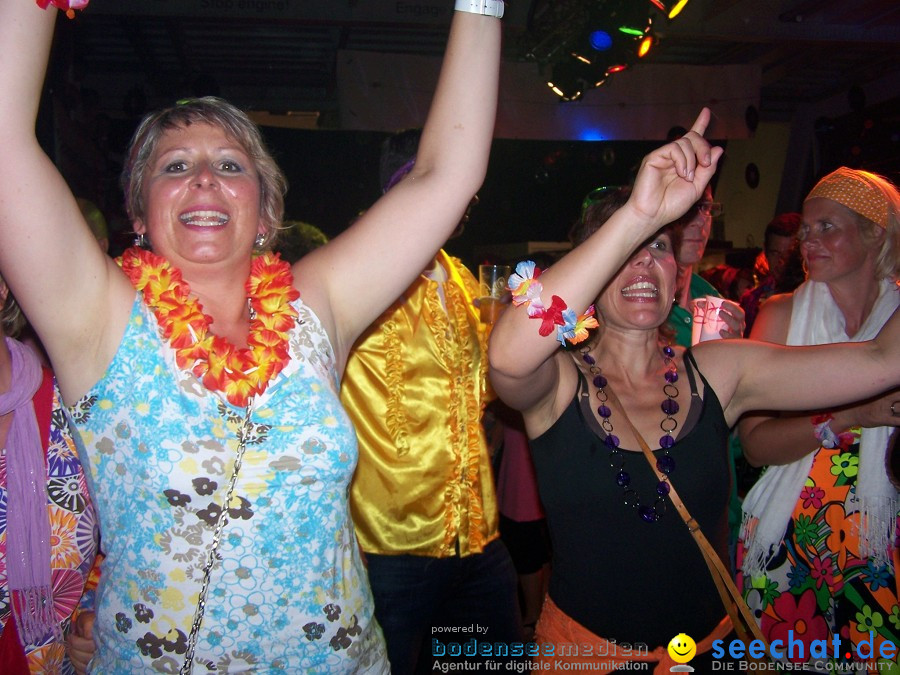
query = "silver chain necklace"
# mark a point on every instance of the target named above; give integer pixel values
(211, 555)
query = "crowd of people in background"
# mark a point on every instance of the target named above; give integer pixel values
(240, 445)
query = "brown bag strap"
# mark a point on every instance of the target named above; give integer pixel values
(734, 603)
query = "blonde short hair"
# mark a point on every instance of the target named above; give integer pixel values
(876, 203)
(236, 124)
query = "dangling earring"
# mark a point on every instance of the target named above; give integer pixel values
(141, 241)
(260, 241)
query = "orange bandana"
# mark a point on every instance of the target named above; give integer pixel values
(852, 188)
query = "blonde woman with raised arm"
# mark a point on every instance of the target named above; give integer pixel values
(203, 375)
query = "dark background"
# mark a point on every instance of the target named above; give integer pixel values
(533, 189)
(118, 60)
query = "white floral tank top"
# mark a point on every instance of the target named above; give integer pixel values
(289, 593)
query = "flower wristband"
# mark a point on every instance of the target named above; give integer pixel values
(823, 432)
(485, 7)
(67, 6)
(827, 437)
(526, 290)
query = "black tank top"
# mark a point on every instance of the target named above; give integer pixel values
(615, 574)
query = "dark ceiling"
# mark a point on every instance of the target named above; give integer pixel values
(134, 54)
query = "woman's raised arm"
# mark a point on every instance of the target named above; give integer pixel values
(669, 181)
(358, 274)
(48, 255)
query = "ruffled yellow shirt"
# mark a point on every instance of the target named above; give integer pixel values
(415, 387)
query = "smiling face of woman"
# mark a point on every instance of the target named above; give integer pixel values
(202, 197)
(641, 294)
(832, 244)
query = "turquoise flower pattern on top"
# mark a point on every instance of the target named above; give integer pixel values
(161, 450)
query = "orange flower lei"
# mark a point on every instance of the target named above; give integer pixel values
(239, 373)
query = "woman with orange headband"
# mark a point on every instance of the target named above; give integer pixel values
(818, 554)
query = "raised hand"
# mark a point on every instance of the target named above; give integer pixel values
(673, 177)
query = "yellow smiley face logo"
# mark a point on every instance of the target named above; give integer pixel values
(682, 648)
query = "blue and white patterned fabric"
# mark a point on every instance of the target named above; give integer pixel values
(289, 593)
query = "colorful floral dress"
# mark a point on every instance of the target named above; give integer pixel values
(817, 585)
(73, 531)
(289, 593)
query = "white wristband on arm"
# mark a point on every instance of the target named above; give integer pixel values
(485, 7)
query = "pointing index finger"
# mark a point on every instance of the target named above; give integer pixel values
(702, 121)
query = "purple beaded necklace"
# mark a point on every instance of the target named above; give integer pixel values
(649, 513)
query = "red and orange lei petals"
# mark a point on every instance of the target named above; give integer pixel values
(269, 274)
(266, 340)
(193, 356)
(171, 304)
(265, 370)
(181, 324)
(134, 268)
(243, 377)
(238, 373)
(240, 390)
(271, 288)
(165, 282)
(270, 353)
(217, 363)
(262, 269)
(274, 306)
(279, 322)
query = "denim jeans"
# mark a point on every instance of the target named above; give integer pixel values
(452, 600)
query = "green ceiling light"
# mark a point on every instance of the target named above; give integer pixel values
(635, 32)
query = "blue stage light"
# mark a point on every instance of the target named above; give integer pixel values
(601, 40)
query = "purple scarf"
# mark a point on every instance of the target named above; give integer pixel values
(27, 521)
